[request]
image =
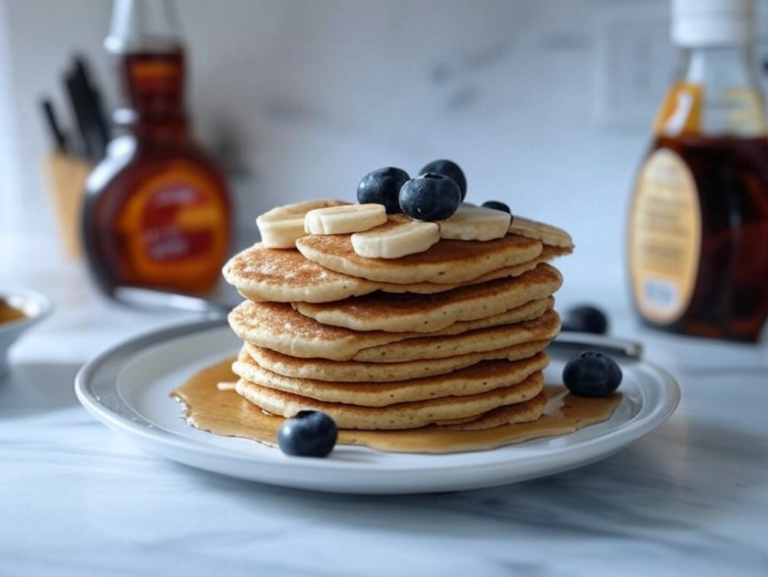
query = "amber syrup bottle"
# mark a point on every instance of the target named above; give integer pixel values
(156, 211)
(698, 225)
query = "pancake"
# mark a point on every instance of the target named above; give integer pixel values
(428, 313)
(524, 412)
(547, 254)
(407, 415)
(263, 274)
(284, 275)
(446, 262)
(478, 378)
(478, 341)
(353, 371)
(279, 327)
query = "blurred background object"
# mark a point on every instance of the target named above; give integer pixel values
(698, 228)
(156, 212)
(549, 100)
(19, 312)
(74, 149)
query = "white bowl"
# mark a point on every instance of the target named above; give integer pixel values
(35, 308)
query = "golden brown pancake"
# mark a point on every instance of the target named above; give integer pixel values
(428, 313)
(478, 378)
(353, 371)
(477, 341)
(283, 275)
(279, 327)
(524, 412)
(407, 415)
(446, 262)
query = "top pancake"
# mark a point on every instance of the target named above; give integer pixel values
(263, 274)
(446, 262)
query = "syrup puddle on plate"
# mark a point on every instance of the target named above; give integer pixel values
(225, 413)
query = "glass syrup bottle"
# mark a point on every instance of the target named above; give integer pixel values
(698, 225)
(156, 212)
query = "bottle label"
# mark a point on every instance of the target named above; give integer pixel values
(680, 113)
(744, 112)
(738, 111)
(664, 238)
(175, 223)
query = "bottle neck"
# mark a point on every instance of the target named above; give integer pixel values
(717, 93)
(153, 89)
(719, 68)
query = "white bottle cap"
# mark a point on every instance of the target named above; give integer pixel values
(142, 24)
(712, 22)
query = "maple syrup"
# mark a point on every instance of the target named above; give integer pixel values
(225, 413)
(729, 299)
(10, 313)
(698, 226)
(156, 212)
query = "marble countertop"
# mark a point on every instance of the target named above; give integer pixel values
(80, 499)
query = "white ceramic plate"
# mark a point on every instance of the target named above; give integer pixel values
(128, 389)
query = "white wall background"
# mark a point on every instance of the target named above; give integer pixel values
(546, 104)
(8, 162)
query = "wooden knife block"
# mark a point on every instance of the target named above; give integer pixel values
(66, 176)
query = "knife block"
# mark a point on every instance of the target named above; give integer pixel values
(66, 176)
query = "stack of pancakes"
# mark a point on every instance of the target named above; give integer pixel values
(451, 337)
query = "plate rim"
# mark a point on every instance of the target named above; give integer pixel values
(148, 436)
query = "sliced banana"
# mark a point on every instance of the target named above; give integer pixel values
(475, 223)
(281, 226)
(546, 233)
(345, 219)
(396, 238)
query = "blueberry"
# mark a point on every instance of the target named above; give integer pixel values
(585, 319)
(451, 170)
(308, 434)
(592, 374)
(430, 197)
(382, 187)
(496, 205)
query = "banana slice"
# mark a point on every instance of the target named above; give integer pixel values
(475, 223)
(344, 219)
(546, 233)
(281, 226)
(396, 238)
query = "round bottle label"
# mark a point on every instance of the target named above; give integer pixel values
(174, 224)
(664, 238)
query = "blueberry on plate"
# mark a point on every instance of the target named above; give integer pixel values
(308, 434)
(592, 374)
(496, 205)
(451, 170)
(585, 319)
(430, 197)
(382, 186)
